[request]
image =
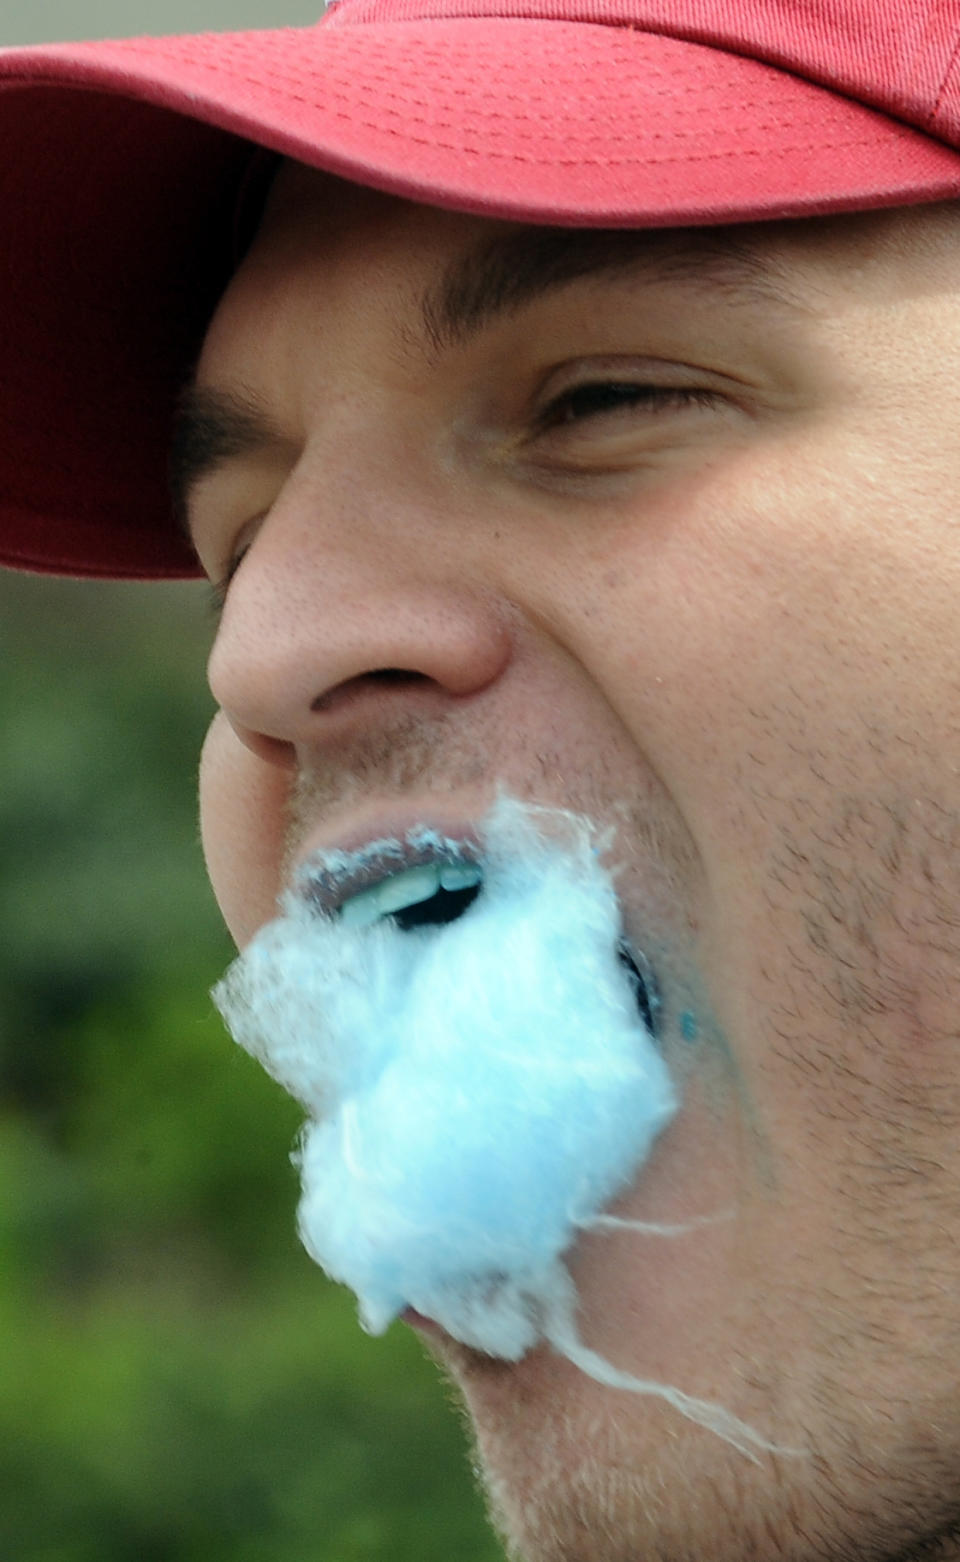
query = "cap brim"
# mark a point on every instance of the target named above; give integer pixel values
(122, 163)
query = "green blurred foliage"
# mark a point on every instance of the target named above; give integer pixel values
(47, 21)
(177, 1382)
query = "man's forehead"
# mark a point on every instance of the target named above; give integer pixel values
(463, 270)
(478, 263)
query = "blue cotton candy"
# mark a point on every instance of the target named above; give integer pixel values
(477, 1092)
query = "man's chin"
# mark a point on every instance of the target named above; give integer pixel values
(540, 1448)
(573, 1471)
(545, 1461)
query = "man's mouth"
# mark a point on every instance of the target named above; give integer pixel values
(434, 883)
(644, 985)
(428, 895)
(467, 1020)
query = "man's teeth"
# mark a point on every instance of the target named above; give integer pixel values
(407, 888)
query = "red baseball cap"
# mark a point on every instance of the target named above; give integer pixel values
(123, 164)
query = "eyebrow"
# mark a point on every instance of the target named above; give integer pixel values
(514, 269)
(497, 278)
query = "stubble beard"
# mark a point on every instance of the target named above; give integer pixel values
(871, 922)
(564, 1487)
(881, 1413)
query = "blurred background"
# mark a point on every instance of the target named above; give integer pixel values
(177, 1382)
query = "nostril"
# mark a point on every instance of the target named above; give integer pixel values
(396, 675)
(378, 677)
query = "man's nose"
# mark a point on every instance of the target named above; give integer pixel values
(330, 630)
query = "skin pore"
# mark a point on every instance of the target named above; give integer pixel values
(661, 528)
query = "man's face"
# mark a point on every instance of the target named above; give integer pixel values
(663, 529)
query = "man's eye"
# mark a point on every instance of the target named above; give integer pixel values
(604, 396)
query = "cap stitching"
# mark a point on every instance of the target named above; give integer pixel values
(269, 80)
(271, 83)
(767, 153)
(405, 110)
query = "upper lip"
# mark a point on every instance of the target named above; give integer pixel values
(328, 874)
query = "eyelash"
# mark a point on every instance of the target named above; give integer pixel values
(597, 397)
(219, 588)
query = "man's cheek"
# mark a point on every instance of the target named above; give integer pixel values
(243, 802)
